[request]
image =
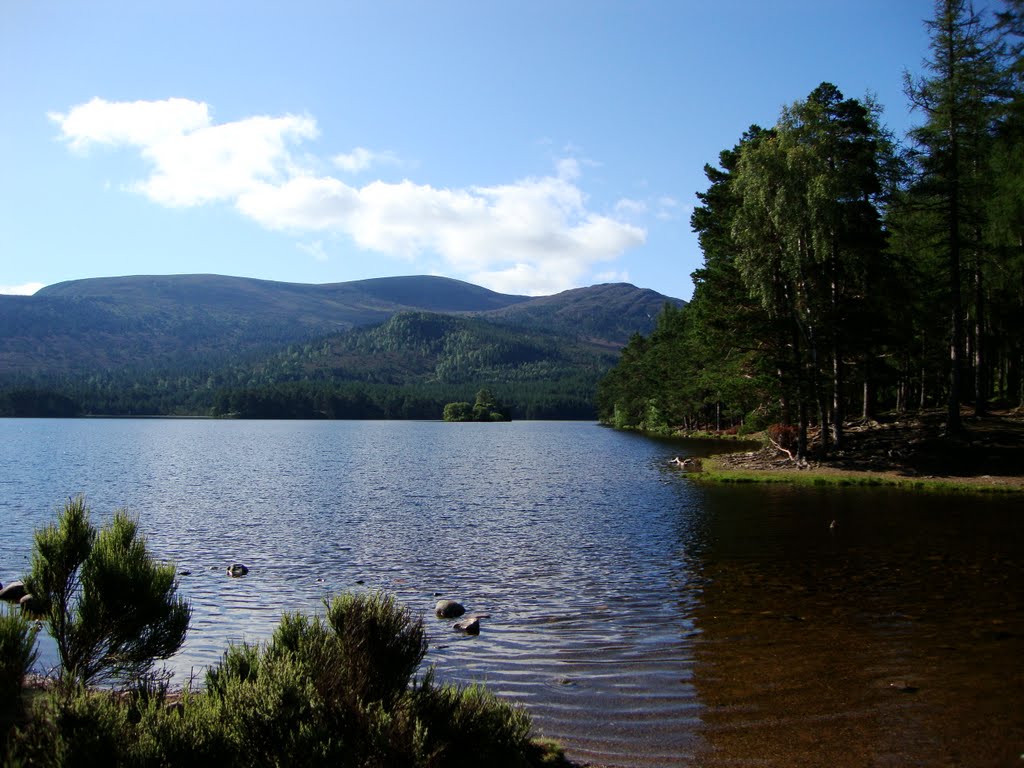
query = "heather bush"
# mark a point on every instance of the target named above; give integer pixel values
(336, 689)
(18, 652)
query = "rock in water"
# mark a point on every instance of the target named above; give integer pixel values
(14, 591)
(470, 626)
(448, 609)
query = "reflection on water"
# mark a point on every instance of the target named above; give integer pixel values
(643, 620)
(894, 637)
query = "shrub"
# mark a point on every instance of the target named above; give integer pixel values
(330, 690)
(381, 644)
(74, 728)
(110, 607)
(18, 652)
(470, 726)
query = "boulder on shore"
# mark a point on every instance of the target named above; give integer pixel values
(13, 592)
(448, 609)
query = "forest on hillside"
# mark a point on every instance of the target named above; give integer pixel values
(848, 271)
(408, 367)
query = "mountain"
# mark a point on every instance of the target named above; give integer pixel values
(168, 321)
(608, 313)
(414, 363)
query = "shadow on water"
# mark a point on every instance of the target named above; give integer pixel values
(852, 628)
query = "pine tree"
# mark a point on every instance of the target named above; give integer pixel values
(957, 98)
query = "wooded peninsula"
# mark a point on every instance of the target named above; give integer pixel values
(849, 274)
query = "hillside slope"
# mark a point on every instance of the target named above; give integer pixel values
(188, 320)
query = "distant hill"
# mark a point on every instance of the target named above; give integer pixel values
(608, 313)
(174, 320)
(396, 347)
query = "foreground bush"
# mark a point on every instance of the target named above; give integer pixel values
(110, 607)
(330, 690)
(18, 653)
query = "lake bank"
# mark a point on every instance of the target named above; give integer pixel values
(909, 452)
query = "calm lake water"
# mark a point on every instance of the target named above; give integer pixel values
(641, 619)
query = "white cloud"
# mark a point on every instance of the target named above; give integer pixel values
(362, 159)
(26, 289)
(568, 168)
(314, 249)
(139, 123)
(535, 235)
(223, 161)
(628, 207)
(670, 209)
(193, 162)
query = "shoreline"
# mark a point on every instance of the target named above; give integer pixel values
(909, 452)
(715, 470)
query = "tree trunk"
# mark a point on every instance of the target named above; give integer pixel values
(868, 406)
(837, 398)
(980, 377)
(956, 334)
(801, 399)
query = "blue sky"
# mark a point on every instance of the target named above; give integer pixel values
(529, 147)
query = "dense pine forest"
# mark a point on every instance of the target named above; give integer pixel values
(391, 348)
(408, 367)
(848, 272)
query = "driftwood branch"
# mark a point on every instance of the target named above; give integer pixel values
(800, 463)
(780, 448)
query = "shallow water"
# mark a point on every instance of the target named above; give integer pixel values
(640, 618)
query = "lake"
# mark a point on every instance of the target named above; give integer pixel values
(640, 618)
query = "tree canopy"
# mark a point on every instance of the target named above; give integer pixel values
(845, 272)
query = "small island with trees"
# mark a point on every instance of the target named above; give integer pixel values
(486, 408)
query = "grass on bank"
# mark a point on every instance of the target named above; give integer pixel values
(715, 470)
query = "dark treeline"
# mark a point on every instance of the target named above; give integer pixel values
(409, 367)
(846, 273)
(297, 399)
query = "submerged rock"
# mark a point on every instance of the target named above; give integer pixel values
(448, 609)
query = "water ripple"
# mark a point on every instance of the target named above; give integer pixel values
(644, 621)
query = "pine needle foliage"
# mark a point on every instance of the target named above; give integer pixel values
(112, 609)
(18, 652)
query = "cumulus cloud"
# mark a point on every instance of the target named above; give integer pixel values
(535, 235)
(27, 289)
(193, 161)
(362, 159)
(139, 123)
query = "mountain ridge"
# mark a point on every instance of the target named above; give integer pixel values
(99, 323)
